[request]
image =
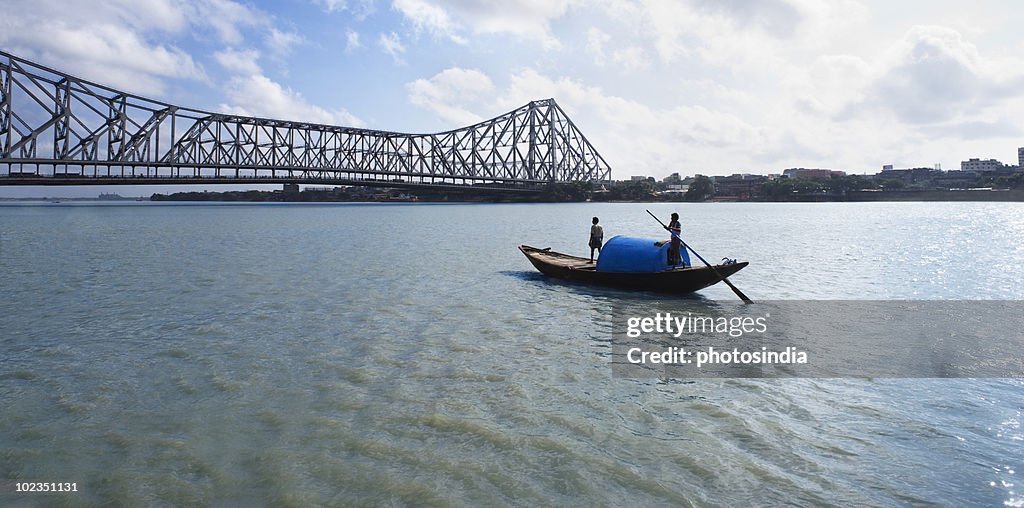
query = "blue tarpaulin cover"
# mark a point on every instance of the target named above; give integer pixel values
(636, 254)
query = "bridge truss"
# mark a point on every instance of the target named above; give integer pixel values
(56, 129)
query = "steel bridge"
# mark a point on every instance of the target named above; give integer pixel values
(56, 129)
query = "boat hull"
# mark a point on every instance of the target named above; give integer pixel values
(677, 280)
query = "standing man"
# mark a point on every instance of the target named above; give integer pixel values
(596, 238)
(675, 229)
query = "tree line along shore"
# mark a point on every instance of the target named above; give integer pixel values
(735, 188)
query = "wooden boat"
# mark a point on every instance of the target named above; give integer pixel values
(630, 263)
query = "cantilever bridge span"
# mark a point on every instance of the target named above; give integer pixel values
(56, 129)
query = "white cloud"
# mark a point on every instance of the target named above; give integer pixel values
(930, 96)
(426, 16)
(260, 96)
(391, 43)
(226, 17)
(748, 37)
(529, 19)
(437, 93)
(935, 75)
(830, 83)
(596, 41)
(164, 15)
(332, 5)
(106, 53)
(635, 138)
(239, 61)
(816, 83)
(360, 9)
(630, 58)
(121, 43)
(777, 17)
(716, 32)
(280, 43)
(352, 41)
(625, 58)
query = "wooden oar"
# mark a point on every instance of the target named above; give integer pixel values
(719, 275)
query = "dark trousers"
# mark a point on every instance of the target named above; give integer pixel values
(673, 253)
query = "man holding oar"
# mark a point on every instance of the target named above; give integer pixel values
(676, 238)
(675, 229)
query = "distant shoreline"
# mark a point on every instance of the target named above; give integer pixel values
(979, 195)
(907, 195)
(1010, 195)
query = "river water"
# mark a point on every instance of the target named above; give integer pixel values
(348, 354)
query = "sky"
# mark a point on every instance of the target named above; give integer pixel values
(658, 86)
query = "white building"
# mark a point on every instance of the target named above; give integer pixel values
(980, 165)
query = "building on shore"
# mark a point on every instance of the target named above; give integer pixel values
(1020, 157)
(739, 186)
(811, 173)
(981, 165)
(955, 180)
(910, 177)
